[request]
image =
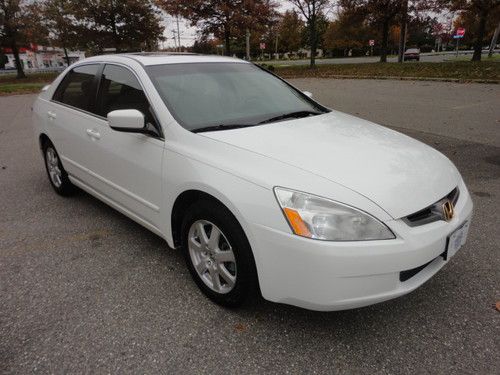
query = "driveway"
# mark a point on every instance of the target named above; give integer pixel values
(83, 289)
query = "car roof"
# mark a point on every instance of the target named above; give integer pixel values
(161, 58)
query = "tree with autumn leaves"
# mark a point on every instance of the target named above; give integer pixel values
(479, 13)
(223, 18)
(18, 26)
(92, 25)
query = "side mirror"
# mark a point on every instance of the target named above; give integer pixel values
(308, 94)
(127, 120)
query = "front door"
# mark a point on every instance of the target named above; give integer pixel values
(127, 166)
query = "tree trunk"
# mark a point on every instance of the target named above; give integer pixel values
(2, 59)
(66, 55)
(494, 40)
(19, 64)
(227, 41)
(478, 44)
(385, 38)
(402, 31)
(312, 41)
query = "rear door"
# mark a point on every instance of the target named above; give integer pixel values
(70, 114)
(127, 166)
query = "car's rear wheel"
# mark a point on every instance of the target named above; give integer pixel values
(218, 254)
(58, 176)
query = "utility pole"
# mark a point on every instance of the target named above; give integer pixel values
(402, 31)
(175, 39)
(494, 40)
(247, 43)
(178, 34)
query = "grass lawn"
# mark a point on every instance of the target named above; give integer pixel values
(464, 71)
(9, 84)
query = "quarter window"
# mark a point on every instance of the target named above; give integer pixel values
(120, 89)
(77, 88)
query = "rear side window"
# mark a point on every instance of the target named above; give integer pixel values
(77, 89)
(120, 89)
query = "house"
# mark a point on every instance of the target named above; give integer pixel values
(37, 57)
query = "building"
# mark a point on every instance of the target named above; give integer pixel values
(37, 57)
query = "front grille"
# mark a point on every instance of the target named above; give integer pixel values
(433, 212)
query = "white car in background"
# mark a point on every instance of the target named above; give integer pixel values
(262, 188)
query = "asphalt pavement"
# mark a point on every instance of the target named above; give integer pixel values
(83, 289)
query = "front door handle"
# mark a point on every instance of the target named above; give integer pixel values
(93, 134)
(52, 115)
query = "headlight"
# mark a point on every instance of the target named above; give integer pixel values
(323, 219)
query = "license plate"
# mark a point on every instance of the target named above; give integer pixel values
(457, 239)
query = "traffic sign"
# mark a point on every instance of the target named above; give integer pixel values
(262, 45)
(458, 36)
(460, 31)
(371, 42)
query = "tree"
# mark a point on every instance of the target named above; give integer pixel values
(122, 24)
(311, 9)
(59, 18)
(15, 23)
(349, 30)
(321, 26)
(480, 11)
(382, 14)
(205, 45)
(223, 18)
(290, 31)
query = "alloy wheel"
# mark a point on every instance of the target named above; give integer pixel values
(52, 161)
(212, 256)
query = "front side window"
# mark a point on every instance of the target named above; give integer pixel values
(77, 89)
(120, 89)
(205, 95)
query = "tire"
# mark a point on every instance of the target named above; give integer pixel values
(58, 176)
(237, 280)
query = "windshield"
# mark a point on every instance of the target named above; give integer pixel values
(227, 95)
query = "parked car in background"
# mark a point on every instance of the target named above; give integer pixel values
(262, 188)
(412, 54)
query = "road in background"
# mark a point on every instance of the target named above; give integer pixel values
(83, 289)
(424, 57)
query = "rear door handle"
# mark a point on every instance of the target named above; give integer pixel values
(93, 133)
(52, 115)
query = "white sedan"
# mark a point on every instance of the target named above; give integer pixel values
(262, 188)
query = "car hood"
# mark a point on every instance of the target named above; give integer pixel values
(398, 173)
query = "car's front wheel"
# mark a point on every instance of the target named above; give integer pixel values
(57, 174)
(218, 254)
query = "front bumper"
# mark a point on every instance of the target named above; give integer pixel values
(326, 276)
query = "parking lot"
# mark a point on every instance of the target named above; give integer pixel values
(83, 289)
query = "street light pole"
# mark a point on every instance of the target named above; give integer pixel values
(247, 43)
(402, 32)
(178, 34)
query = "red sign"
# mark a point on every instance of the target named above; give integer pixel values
(262, 45)
(460, 31)
(371, 42)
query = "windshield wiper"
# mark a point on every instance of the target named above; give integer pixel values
(212, 128)
(298, 114)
